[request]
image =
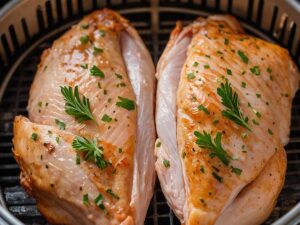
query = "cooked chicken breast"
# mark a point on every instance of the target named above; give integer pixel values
(223, 116)
(86, 152)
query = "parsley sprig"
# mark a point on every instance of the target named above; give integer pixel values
(92, 152)
(76, 107)
(216, 150)
(230, 100)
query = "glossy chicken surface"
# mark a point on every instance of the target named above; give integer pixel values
(106, 60)
(221, 163)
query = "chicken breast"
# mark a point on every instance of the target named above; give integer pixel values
(86, 152)
(223, 93)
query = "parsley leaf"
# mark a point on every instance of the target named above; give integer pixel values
(126, 103)
(255, 70)
(109, 191)
(243, 57)
(95, 71)
(61, 125)
(34, 136)
(106, 118)
(202, 108)
(84, 39)
(166, 163)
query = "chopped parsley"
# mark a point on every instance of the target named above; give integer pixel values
(226, 41)
(85, 199)
(215, 121)
(269, 70)
(217, 177)
(229, 72)
(206, 66)
(102, 33)
(84, 26)
(255, 70)
(119, 76)
(204, 109)
(255, 122)
(243, 57)
(202, 169)
(115, 196)
(270, 131)
(195, 64)
(258, 95)
(106, 118)
(126, 103)
(77, 159)
(190, 76)
(235, 170)
(60, 124)
(84, 66)
(34, 136)
(243, 84)
(84, 39)
(99, 202)
(97, 50)
(158, 144)
(40, 104)
(166, 163)
(57, 140)
(95, 71)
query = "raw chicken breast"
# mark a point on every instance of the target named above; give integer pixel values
(107, 176)
(227, 98)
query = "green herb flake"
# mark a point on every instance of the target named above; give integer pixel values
(91, 150)
(95, 71)
(190, 76)
(226, 41)
(84, 26)
(60, 124)
(120, 150)
(204, 140)
(40, 104)
(106, 118)
(270, 131)
(256, 113)
(255, 122)
(229, 72)
(206, 66)
(99, 202)
(97, 50)
(84, 39)
(158, 144)
(235, 170)
(243, 84)
(255, 70)
(204, 109)
(85, 199)
(202, 169)
(243, 57)
(119, 76)
(269, 70)
(244, 135)
(258, 95)
(102, 33)
(84, 66)
(195, 64)
(115, 196)
(126, 103)
(217, 177)
(215, 121)
(34, 136)
(57, 139)
(77, 159)
(183, 155)
(166, 163)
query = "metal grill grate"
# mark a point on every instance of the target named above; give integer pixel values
(155, 33)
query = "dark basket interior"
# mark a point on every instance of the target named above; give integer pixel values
(15, 98)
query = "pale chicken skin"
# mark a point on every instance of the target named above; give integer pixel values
(224, 164)
(106, 60)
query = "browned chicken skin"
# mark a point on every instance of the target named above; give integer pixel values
(224, 159)
(104, 59)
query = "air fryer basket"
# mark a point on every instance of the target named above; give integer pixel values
(27, 27)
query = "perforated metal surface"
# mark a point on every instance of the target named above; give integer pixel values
(154, 20)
